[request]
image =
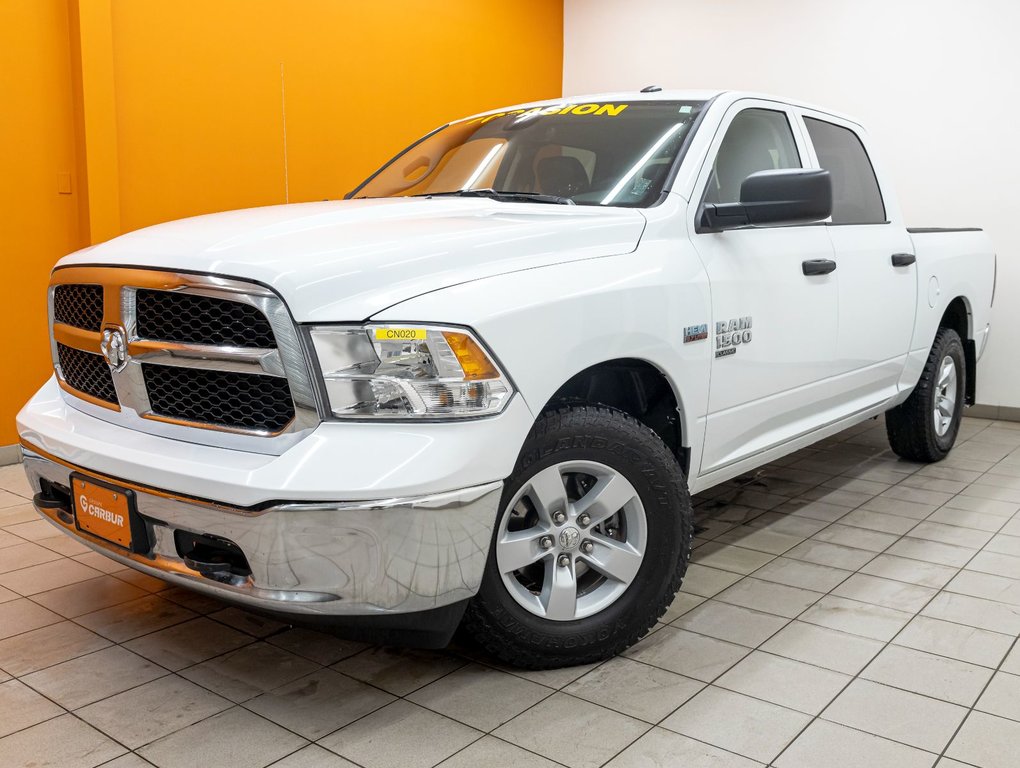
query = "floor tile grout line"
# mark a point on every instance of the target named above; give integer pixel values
(927, 519)
(868, 733)
(62, 712)
(984, 688)
(659, 723)
(714, 681)
(888, 578)
(169, 672)
(650, 723)
(864, 565)
(837, 631)
(485, 734)
(760, 649)
(101, 732)
(234, 705)
(971, 708)
(369, 714)
(900, 537)
(314, 743)
(210, 616)
(855, 676)
(241, 704)
(937, 591)
(677, 733)
(886, 645)
(112, 760)
(74, 584)
(66, 711)
(73, 711)
(468, 660)
(254, 639)
(529, 751)
(397, 697)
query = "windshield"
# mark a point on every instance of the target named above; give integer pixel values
(583, 154)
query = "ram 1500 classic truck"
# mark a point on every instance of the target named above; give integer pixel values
(480, 390)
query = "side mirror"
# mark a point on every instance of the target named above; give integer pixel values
(785, 196)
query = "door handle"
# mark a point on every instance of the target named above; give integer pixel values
(818, 266)
(903, 259)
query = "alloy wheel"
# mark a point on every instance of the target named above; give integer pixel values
(571, 540)
(945, 396)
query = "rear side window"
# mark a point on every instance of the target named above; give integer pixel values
(757, 140)
(856, 197)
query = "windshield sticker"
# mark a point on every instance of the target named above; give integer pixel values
(608, 110)
(400, 334)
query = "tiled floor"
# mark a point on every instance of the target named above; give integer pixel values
(843, 608)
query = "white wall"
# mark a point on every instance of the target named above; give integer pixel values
(937, 84)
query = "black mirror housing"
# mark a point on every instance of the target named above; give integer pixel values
(784, 196)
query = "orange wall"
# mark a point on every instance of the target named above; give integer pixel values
(205, 91)
(182, 108)
(38, 224)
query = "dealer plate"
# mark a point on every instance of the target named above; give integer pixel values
(103, 510)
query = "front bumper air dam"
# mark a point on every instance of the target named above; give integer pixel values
(390, 564)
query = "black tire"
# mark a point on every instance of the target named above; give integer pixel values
(911, 425)
(520, 638)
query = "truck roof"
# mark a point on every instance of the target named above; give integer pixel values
(666, 95)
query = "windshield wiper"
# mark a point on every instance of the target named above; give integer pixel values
(497, 194)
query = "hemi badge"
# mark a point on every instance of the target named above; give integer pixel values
(695, 333)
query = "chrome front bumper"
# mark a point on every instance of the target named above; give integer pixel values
(389, 556)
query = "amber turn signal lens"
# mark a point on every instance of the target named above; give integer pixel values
(470, 356)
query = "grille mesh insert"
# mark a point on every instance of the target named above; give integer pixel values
(193, 319)
(225, 398)
(87, 373)
(79, 305)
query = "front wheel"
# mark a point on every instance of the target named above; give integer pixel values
(924, 427)
(591, 544)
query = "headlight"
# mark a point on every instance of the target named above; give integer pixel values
(401, 372)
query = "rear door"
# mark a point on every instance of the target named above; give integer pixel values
(877, 279)
(773, 328)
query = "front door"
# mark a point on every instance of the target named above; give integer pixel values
(774, 328)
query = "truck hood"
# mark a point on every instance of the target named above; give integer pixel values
(346, 260)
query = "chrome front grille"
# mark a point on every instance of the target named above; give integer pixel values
(192, 319)
(239, 400)
(87, 373)
(80, 306)
(197, 358)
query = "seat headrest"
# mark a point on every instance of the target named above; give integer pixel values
(562, 175)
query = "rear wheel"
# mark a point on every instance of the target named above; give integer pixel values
(591, 544)
(924, 427)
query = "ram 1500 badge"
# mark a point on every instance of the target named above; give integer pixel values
(472, 393)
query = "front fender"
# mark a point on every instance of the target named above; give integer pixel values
(546, 325)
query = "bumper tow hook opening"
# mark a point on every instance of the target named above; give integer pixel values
(214, 558)
(56, 498)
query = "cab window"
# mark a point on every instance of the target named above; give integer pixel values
(856, 197)
(757, 140)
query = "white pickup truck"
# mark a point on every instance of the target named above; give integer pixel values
(480, 390)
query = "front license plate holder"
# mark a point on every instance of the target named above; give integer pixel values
(109, 512)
